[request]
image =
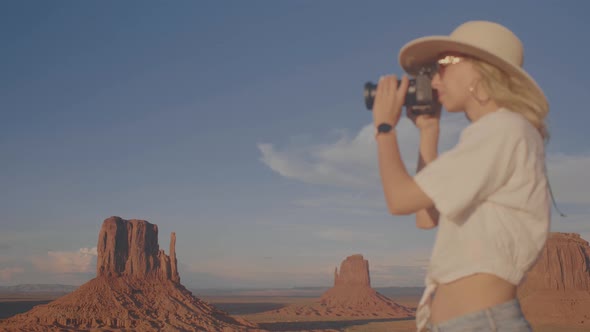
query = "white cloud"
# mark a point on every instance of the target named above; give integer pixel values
(339, 164)
(351, 161)
(7, 273)
(81, 261)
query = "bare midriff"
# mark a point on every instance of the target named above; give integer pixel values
(469, 294)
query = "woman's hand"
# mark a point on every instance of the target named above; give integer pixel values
(425, 121)
(389, 100)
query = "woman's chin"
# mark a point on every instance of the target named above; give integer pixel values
(447, 107)
(452, 108)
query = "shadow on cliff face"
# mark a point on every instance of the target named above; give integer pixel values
(322, 325)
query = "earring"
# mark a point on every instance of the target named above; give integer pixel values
(474, 95)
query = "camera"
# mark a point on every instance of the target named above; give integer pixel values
(420, 97)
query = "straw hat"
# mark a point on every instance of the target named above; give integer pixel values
(487, 41)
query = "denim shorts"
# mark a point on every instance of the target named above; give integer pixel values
(503, 317)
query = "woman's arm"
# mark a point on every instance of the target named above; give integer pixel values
(427, 218)
(402, 194)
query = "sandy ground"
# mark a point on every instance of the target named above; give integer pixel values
(251, 308)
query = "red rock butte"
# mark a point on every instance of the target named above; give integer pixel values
(137, 288)
(130, 248)
(351, 297)
(557, 289)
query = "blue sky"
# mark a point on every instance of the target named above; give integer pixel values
(240, 126)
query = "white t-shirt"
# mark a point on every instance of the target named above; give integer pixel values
(491, 192)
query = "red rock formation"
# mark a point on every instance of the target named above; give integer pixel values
(351, 297)
(173, 262)
(564, 264)
(557, 289)
(137, 288)
(354, 271)
(130, 248)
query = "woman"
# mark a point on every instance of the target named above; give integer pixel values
(488, 194)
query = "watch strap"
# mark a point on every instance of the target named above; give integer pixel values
(383, 128)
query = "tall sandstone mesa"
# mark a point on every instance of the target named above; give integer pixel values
(354, 272)
(130, 248)
(137, 288)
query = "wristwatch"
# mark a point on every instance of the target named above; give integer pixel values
(383, 128)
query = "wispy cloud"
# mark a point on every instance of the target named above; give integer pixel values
(349, 161)
(81, 261)
(7, 273)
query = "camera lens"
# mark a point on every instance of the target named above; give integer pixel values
(369, 94)
(371, 90)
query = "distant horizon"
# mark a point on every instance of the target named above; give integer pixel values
(197, 288)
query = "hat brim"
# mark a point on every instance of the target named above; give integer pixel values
(425, 50)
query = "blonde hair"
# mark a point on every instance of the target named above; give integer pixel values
(512, 92)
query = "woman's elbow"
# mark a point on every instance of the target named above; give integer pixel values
(399, 205)
(427, 218)
(425, 226)
(397, 210)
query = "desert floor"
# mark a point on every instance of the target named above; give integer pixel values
(252, 307)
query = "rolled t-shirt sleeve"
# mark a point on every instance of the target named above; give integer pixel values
(474, 169)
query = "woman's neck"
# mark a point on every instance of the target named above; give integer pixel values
(475, 112)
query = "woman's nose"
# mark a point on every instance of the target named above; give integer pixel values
(435, 82)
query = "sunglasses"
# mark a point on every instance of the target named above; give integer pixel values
(443, 62)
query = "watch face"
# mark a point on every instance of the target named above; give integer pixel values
(384, 128)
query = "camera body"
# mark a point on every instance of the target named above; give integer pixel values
(420, 97)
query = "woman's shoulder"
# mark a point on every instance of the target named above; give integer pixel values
(504, 116)
(503, 128)
(509, 123)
